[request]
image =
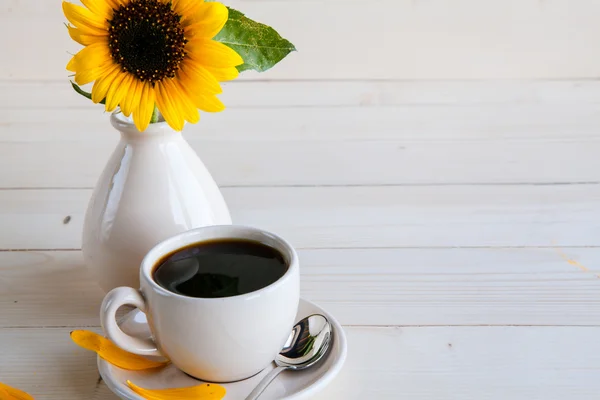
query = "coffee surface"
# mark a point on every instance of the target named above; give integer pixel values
(220, 268)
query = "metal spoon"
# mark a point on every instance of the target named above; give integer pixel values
(306, 346)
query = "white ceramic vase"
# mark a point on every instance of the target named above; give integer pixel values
(153, 187)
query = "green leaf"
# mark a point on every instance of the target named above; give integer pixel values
(259, 45)
(83, 92)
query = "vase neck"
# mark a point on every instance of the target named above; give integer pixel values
(156, 131)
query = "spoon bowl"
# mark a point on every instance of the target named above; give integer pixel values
(307, 344)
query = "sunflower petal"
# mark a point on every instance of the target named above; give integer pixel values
(71, 65)
(210, 104)
(111, 353)
(207, 21)
(85, 38)
(131, 101)
(117, 91)
(92, 56)
(172, 115)
(11, 393)
(198, 97)
(194, 74)
(98, 7)
(103, 83)
(223, 74)
(143, 114)
(209, 52)
(186, 8)
(114, 4)
(179, 96)
(86, 76)
(207, 103)
(81, 17)
(204, 391)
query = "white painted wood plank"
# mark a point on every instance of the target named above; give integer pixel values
(251, 162)
(349, 217)
(407, 39)
(420, 287)
(58, 94)
(458, 363)
(472, 133)
(45, 363)
(49, 289)
(410, 287)
(477, 363)
(407, 123)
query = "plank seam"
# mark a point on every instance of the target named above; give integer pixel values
(554, 247)
(350, 185)
(353, 326)
(352, 80)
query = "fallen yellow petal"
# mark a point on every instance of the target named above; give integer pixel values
(206, 391)
(111, 352)
(10, 393)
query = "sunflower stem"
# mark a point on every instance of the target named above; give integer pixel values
(154, 118)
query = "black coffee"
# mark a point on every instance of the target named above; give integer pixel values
(220, 268)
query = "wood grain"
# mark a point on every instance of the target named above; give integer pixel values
(377, 287)
(458, 363)
(60, 164)
(344, 39)
(349, 217)
(359, 133)
(58, 95)
(450, 222)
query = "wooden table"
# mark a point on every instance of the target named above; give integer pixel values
(451, 227)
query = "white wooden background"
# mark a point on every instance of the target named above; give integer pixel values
(436, 162)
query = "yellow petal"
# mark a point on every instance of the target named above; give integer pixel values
(180, 101)
(114, 4)
(206, 391)
(199, 97)
(84, 38)
(207, 10)
(102, 85)
(193, 74)
(89, 75)
(11, 393)
(111, 353)
(92, 56)
(187, 7)
(99, 7)
(71, 65)
(209, 104)
(132, 99)
(180, 98)
(172, 115)
(223, 74)
(117, 91)
(142, 115)
(82, 17)
(207, 21)
(209, 52)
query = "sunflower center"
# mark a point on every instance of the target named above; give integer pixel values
(146, 39)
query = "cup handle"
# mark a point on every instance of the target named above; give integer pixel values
(114, 299)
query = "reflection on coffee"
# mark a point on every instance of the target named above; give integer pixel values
(220, 268)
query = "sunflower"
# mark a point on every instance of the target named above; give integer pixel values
(146, 53)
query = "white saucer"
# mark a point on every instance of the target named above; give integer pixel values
(289, 385)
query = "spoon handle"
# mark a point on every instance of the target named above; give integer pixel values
(264, 383)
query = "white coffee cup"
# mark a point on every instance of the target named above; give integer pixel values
(214, 339)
